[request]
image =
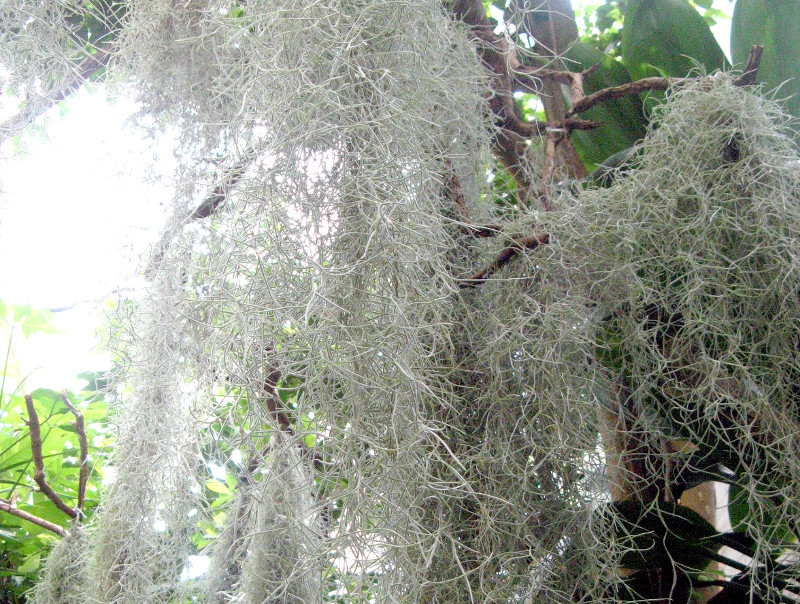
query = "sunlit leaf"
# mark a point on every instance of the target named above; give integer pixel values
(31, 564)
(50, 400)
(38, 321)
(217, 486)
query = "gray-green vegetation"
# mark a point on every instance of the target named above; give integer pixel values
(400, 346)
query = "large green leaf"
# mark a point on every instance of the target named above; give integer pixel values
(622, 120)
(49, 401)
(775, 24)
(667, 37)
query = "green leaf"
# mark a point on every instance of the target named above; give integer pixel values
(98, 380)
(31, 564)
(216, 486)
(6, 534)
(20, 311)
(38, 321)
(667, 36)
(47, 510)
(738, 506)
(622, 121)
(741, 514)
(49, 400)
(662, 533)
(775, 24)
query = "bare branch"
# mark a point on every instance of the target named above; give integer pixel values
(209, 206)
(38, 462)
(80, 429)
(484, 231)
(748, 77)
(10, 508)
(554, 137)
(631, 88)
(517, 245)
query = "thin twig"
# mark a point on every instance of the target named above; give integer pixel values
(484, 231)
(748, 77)
(616, 92)
(554, 136)
(576, 123)
(517, 245)
(569, 123)
(80, 429)
(530, 78)
(38, 461)
(10, 508)
(274, 402)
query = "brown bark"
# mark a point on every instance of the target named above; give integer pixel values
(39, 475)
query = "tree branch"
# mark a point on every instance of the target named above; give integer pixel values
(10, 508)
(36, 450)
(554, 137)
(501, 60)
(631, 88)
(747, 78)
(209, 206)
(552, 24)
(517, 245)
(274, 402)
(80, 429)
(274, 405)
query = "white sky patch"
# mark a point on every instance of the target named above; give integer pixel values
(75, 203)
(77, 210)
(196, 567)
(217, 471)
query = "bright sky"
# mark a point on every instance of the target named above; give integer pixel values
(76, 211)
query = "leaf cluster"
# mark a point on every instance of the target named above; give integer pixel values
(24, 544)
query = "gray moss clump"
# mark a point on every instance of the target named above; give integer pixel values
(267, 551)
(404, 437)
(690, 261)
(63, 578)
